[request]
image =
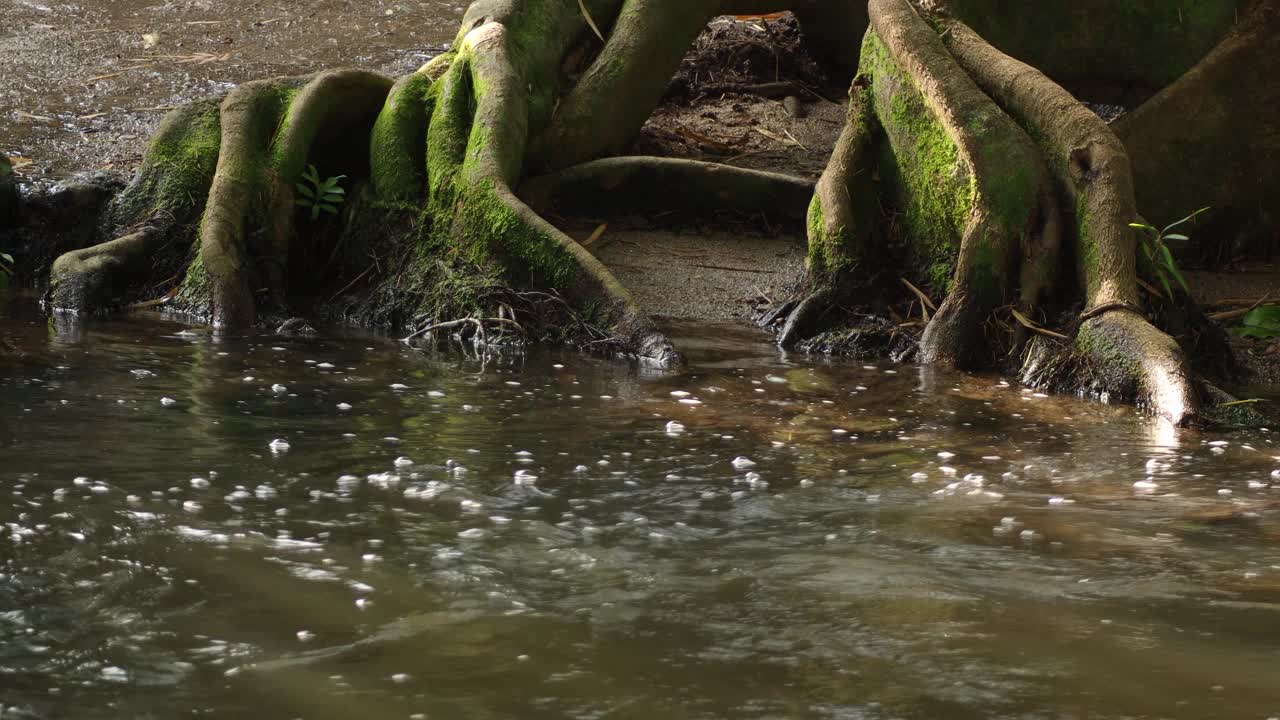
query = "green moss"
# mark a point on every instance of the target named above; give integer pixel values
(819, 244)
(938, 189)
(396, 155)
(178, 167)
(1086, 245)
(837, 251)
(492, 227)
(284, 96)
(929, 182)
(448, 134)
(194, 293)
(1119, 366)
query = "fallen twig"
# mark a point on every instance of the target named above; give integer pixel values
(1233, 314)
(478, 323)
(1026, 323)
(595, 236)
(733, 269)
(926, 303)
(351, 284)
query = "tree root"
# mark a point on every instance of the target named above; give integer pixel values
(1091, 169)
(607, 107)
(991, 202)
(655, 183)
(397, 154)
(103, 274)
(843, 210)
(218, 284)
(930, 171)
(490, 218)
(154, 212)
(807, 319)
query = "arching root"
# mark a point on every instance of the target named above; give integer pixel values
(1091, 170)
(268, 129)
(607, 107)
(843, 213)
(476, 144)
(655, 183)
(104, 274)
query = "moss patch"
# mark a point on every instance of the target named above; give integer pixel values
(397, 155)
(921, 168)
(178, 167)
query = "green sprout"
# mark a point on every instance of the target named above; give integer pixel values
(1156, 248)
(320, 195)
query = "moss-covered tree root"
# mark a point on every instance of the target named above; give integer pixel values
(965, 173)
(978, 211)
(1093, 177)
(662, 184)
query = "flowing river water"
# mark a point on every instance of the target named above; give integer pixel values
(348, 527)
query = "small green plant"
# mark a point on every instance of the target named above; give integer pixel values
(1155, 246)
(1261, 322)
(320, 195)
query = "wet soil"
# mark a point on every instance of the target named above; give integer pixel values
(685, 272)
(747, 95)
(84, 84)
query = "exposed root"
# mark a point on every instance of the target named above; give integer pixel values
(1091, 169)
(477, 323)
(843, 213)
(331, 106)
(654, 183)
(153, 217)
(219, 286)
(929, 172)
(607, 107)
(594, 284)
(397, 154)
(104, 274)
(968, 174)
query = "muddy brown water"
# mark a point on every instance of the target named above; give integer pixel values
(344, 526)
